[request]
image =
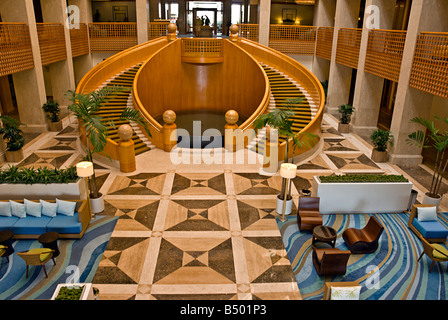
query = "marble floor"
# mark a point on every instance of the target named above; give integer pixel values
(196, 230)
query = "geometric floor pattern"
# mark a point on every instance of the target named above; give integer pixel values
(198, 231)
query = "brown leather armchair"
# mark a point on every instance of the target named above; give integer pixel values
(364, 240)
(330, 261)
(308, 215)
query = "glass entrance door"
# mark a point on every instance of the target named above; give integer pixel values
(205, 9)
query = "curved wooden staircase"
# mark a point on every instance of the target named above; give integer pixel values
(284, 88)
(114, 105)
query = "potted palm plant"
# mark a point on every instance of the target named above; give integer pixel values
(346, 111)
(85, 107)
(380, 139)
(52, 110)
(438, 139)
(280, 119)
(13, 136)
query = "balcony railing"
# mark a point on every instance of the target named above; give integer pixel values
(349, 43)
(51, 42)
(79, 39)
(15, 48)
(324, 45)
(112, 36)
(287, 39)
(248, 31)
(205, 50)
(157, 29)
(385, 53)
(430, 67)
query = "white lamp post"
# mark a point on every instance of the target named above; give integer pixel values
(287, 171)
(84, 170)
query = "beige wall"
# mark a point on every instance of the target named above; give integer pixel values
(305, 14)
(105, 9)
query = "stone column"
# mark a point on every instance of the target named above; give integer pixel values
(369, 88)
(346, 16)
(324, 16)
(61, 72)
(29, 85)
(182, 19)
(142, 21)
(426, 15)
(82, 64)
(264, 20)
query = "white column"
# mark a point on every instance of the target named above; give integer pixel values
(264, 20)
(142, 21)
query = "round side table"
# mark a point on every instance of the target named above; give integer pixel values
(50, 240)
(324, 234)
(6, 240)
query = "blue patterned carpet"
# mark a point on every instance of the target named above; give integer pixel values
(390, 273)
(77, 262)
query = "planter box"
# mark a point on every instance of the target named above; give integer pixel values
(66, 191)
(87, 292)
(391, 197)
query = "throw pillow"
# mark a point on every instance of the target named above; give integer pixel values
(5, 209)
(49, 208)
(427, 213)
(18, 209)
(33, 208)
(66, 208)
(345, 293)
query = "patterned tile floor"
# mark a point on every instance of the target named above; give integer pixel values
(199, 231)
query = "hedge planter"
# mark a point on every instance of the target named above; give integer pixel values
(66, 191)
(362, 197)
(82, 291)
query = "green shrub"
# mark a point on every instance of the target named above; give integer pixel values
(14, 174)
(69, 293)
(354, 178)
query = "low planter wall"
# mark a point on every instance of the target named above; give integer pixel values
(66, 191)
(362, 197)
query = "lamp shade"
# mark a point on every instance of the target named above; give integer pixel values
(288, 170)
(84, 169)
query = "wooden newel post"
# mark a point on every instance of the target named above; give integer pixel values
(126, 151)
(229, 130)
(172, 32)
(169, 130)
(270, 157)
(233, 32)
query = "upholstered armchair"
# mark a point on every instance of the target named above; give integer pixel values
(3, 251)
(36, 257)
(361, 241)
(330, 261)
(308, 215)
(348, 290)
(423, 221)
(435, 251)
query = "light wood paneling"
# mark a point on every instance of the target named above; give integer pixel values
(51, 42)
(349, 43)
(248, 31)
(385, 53)
(15, 48)
(430, 67)
(324, 45)
(157, 29)
(79, 39)
(202, 50)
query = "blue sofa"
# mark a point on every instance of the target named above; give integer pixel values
(431, 230)
(31, 227)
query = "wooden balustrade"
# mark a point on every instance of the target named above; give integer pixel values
(430, 67)
(79, 38)
(349, 43)
(15, 48)
(248, 31)
(385, 53)
(112, 36)
(157, 29)
(51, 42)
(293, 39)
(201, 50)
(324, 44)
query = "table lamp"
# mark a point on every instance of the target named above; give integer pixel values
(287, 171)
(84, 170)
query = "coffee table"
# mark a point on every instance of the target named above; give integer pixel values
(50, 240)
(324, 234)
